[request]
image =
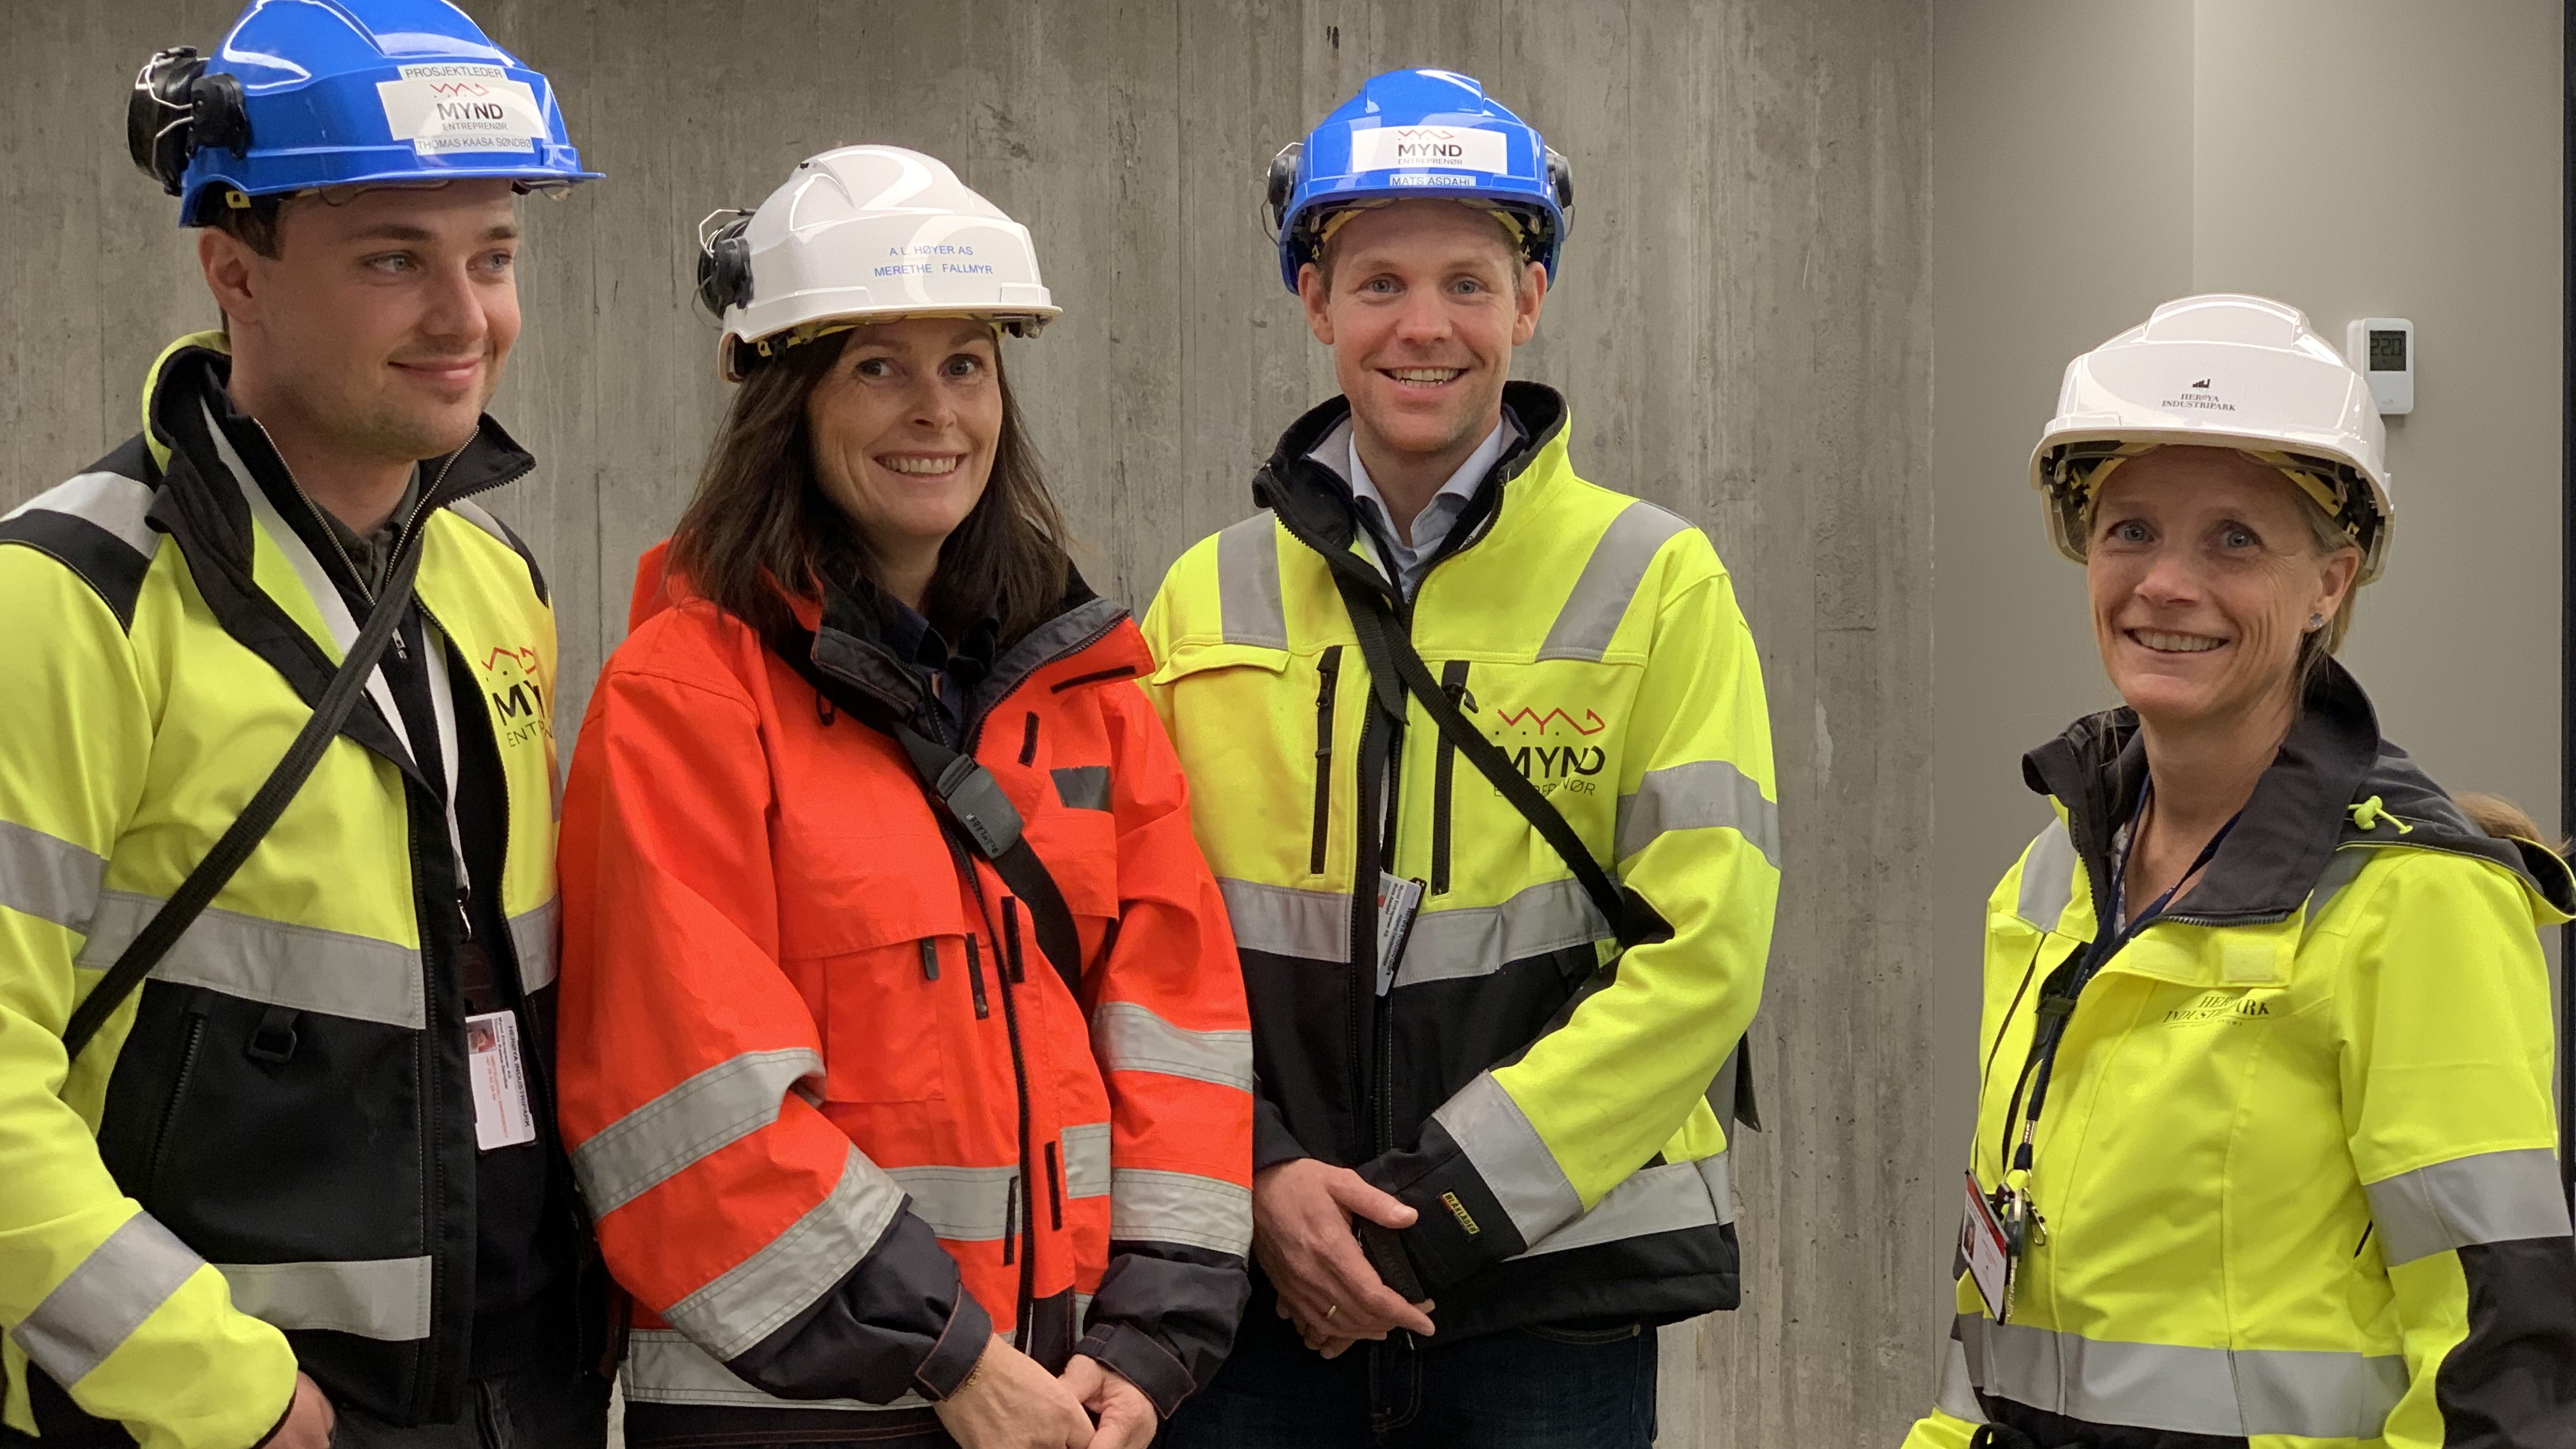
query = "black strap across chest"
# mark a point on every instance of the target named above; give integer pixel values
(969, 804)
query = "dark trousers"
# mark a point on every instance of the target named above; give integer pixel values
(1525, 1388)
(550, 1408)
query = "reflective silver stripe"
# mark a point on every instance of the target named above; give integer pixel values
(753, 1297)
(1082, 787)
(48, 877)
(1086, 1160)
(532, 935)
(1698, 796)
(1673, 1198)
(1149, 1206)
(1284, 921)
(1446, 945)
(663, 1367)
(100, 1303)
(1958, 1397)
(1131, 1038)
(1081, 1310)
(110, 501)
(1507, 1153)
(272, 962)
(2310, 1393)
(1247, 583)
(2493, 1197)
(387, 1298)
(1554, 915)
(2048, 877)
(710, 1111)
(962, 1204)
(2339, 872)
(1592, 612)
(482, 518)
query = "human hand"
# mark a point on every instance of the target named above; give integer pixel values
(1009, 1402)
(1301, 1231)
(309, 1421)
(1127, 1418)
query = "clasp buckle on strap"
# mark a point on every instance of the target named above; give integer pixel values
(975, 800)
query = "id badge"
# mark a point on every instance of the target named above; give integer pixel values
(1988, 1252)
(1398, 898)
(500, 1081)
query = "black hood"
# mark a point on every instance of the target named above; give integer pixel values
(2300, 813)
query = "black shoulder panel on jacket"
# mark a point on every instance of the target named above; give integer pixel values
(486, 520)
(94, 526)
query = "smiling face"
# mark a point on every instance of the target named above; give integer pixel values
(904, 427)
(1425, 302)
(2204, 570)
(379, 328)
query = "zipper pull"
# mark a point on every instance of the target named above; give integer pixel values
(401, 651)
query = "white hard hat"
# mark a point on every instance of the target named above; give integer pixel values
(2221, 371)
(866, 234)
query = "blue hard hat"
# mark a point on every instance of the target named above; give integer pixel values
(1420, 133)
(302, 94)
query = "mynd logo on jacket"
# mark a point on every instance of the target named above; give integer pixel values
(1549, 744)
(518, 696)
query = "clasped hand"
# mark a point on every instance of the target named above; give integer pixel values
(1010, 1401)
(1301, 1231)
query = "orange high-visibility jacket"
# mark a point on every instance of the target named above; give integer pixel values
(817, 1076)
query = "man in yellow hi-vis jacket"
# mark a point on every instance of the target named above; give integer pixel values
(1504, 1087)
(301, 1186)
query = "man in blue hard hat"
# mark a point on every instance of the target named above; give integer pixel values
(1479, 752)
(276, 834)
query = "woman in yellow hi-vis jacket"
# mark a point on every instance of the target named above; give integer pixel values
(2264, 1148)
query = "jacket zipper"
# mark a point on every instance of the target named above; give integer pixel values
(178, 1094)
(1453, 683)
(1328, 673)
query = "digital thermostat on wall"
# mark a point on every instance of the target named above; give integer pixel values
(2384, 349)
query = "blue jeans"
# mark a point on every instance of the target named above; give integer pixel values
(1525, 1388)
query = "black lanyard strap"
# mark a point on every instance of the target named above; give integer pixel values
(2058, 995)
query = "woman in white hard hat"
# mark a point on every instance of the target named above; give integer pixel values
(2264, 1143)
(894, 985)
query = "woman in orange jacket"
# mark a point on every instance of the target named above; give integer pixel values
(904, 1060)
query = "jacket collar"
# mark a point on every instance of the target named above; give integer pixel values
(851, 643)
(1315, 502)
(2300, 814)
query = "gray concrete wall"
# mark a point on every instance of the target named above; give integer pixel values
(1743, 326)
(2352, 157)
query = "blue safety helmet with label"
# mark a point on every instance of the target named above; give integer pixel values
(1419, 133)
(301, 95)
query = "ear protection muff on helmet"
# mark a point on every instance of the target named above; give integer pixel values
(1560, 179)
(177, 110)
(724, 262)
(1283, 184)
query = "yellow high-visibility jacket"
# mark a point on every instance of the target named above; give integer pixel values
(267, 1154)
(2296, 1165)
(1537, 1094)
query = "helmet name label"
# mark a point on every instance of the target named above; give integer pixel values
(444, 108)
(1462, 148)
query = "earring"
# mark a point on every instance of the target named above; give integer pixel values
(2316, 622)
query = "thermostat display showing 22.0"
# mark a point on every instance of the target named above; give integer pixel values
(2384, 349)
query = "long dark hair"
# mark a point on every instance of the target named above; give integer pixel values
(760, 522)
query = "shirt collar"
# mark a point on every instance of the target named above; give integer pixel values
(1339, 450)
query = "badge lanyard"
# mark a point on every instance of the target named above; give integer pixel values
(2019, 1224)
